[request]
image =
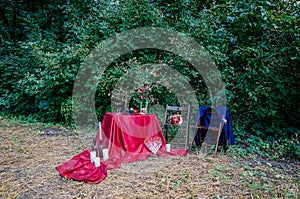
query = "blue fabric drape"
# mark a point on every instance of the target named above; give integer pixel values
(208, 120)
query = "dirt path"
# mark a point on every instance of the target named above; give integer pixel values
(29, 155)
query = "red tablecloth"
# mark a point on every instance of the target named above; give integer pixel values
(123, 135)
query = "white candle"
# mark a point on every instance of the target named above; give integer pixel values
(100, 131)
(97, 162)
(92, 156)
(168, 147)
(105, 154)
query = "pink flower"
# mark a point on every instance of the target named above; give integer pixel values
(140, 89)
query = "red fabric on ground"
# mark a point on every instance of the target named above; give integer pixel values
(80, 168)
(123, 136)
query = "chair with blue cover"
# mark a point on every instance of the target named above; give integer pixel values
(213, 125)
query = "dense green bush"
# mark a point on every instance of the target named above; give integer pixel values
(255, 45)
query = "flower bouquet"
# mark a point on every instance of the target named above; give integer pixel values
(144, 98)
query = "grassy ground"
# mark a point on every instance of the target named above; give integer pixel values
(30, 153)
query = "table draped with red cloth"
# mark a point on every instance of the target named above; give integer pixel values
(123, 135)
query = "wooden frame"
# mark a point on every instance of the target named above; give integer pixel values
(186, 124)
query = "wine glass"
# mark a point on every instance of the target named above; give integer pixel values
(118, 107)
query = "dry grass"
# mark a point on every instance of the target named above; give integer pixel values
(29, 155)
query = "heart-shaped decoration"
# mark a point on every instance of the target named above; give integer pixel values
(176, 119)
(153, 143)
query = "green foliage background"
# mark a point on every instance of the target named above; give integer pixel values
(255, 45)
